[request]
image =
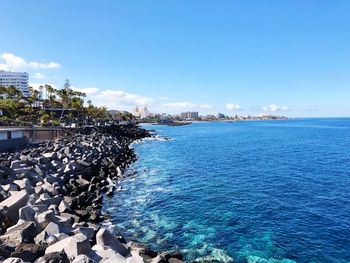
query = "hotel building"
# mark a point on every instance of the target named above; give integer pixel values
(16, 79)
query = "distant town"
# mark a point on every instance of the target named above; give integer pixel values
(22, 105)
(143, 114)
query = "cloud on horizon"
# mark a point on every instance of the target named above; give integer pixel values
(115, 99)
(275, 108)
(13, 63)
(186, 105)
(233, 107)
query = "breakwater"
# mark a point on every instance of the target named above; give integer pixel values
(51, 198)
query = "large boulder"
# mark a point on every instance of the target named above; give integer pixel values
(54, 257)
(105, 239)
(24, 184)
(87, 231)
(104, 253)
(45, 218)
(58, 246)
(28, 252)
(14, 203)
(23, 232)
(13, 260)
(83, 259)
(45, 238)
(78, 245)
(27, 213)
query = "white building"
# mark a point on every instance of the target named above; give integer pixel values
(17, 79)
(140, 112)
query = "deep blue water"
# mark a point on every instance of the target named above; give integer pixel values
(242, 191)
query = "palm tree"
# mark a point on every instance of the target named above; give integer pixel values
(13, 92)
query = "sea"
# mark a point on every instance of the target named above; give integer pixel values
(251, 191)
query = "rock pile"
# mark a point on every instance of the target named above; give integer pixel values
(51, 197)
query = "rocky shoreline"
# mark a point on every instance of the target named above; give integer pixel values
(51, 197)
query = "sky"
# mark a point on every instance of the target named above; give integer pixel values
(288, 57)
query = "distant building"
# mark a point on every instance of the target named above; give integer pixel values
(220, 116)
(16, 79)
(140, 112)
(189, 115)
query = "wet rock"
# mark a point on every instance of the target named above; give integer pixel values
(158, 259)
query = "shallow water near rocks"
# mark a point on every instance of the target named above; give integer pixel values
(242, 191)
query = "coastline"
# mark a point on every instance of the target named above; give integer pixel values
(51, 199)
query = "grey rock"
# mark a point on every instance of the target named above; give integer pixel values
(63, 207)
(105, 239)
(23, 232)
(12, 204)
(56, 229)
(10, 187)
(24, 184)
(45, 238)
(83, 259)
(58, 246)
(55, 257)
(87, 231)
(158, 259)
(29, 252)
(45, 218)
(174, 260)
(116, 258)
(13, 260)
(27, 213)
(78, 245)
(5, 171)
(50, 155)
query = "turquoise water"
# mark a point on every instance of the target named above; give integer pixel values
(243, 191)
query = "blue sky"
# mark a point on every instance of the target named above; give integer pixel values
(238, 57)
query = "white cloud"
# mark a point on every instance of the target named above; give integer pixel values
(13, 62)
(274, 108)
(186, 105)
(50, 65)
(39, 75)
(90, 91)
(115, 99)
(232, 107)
